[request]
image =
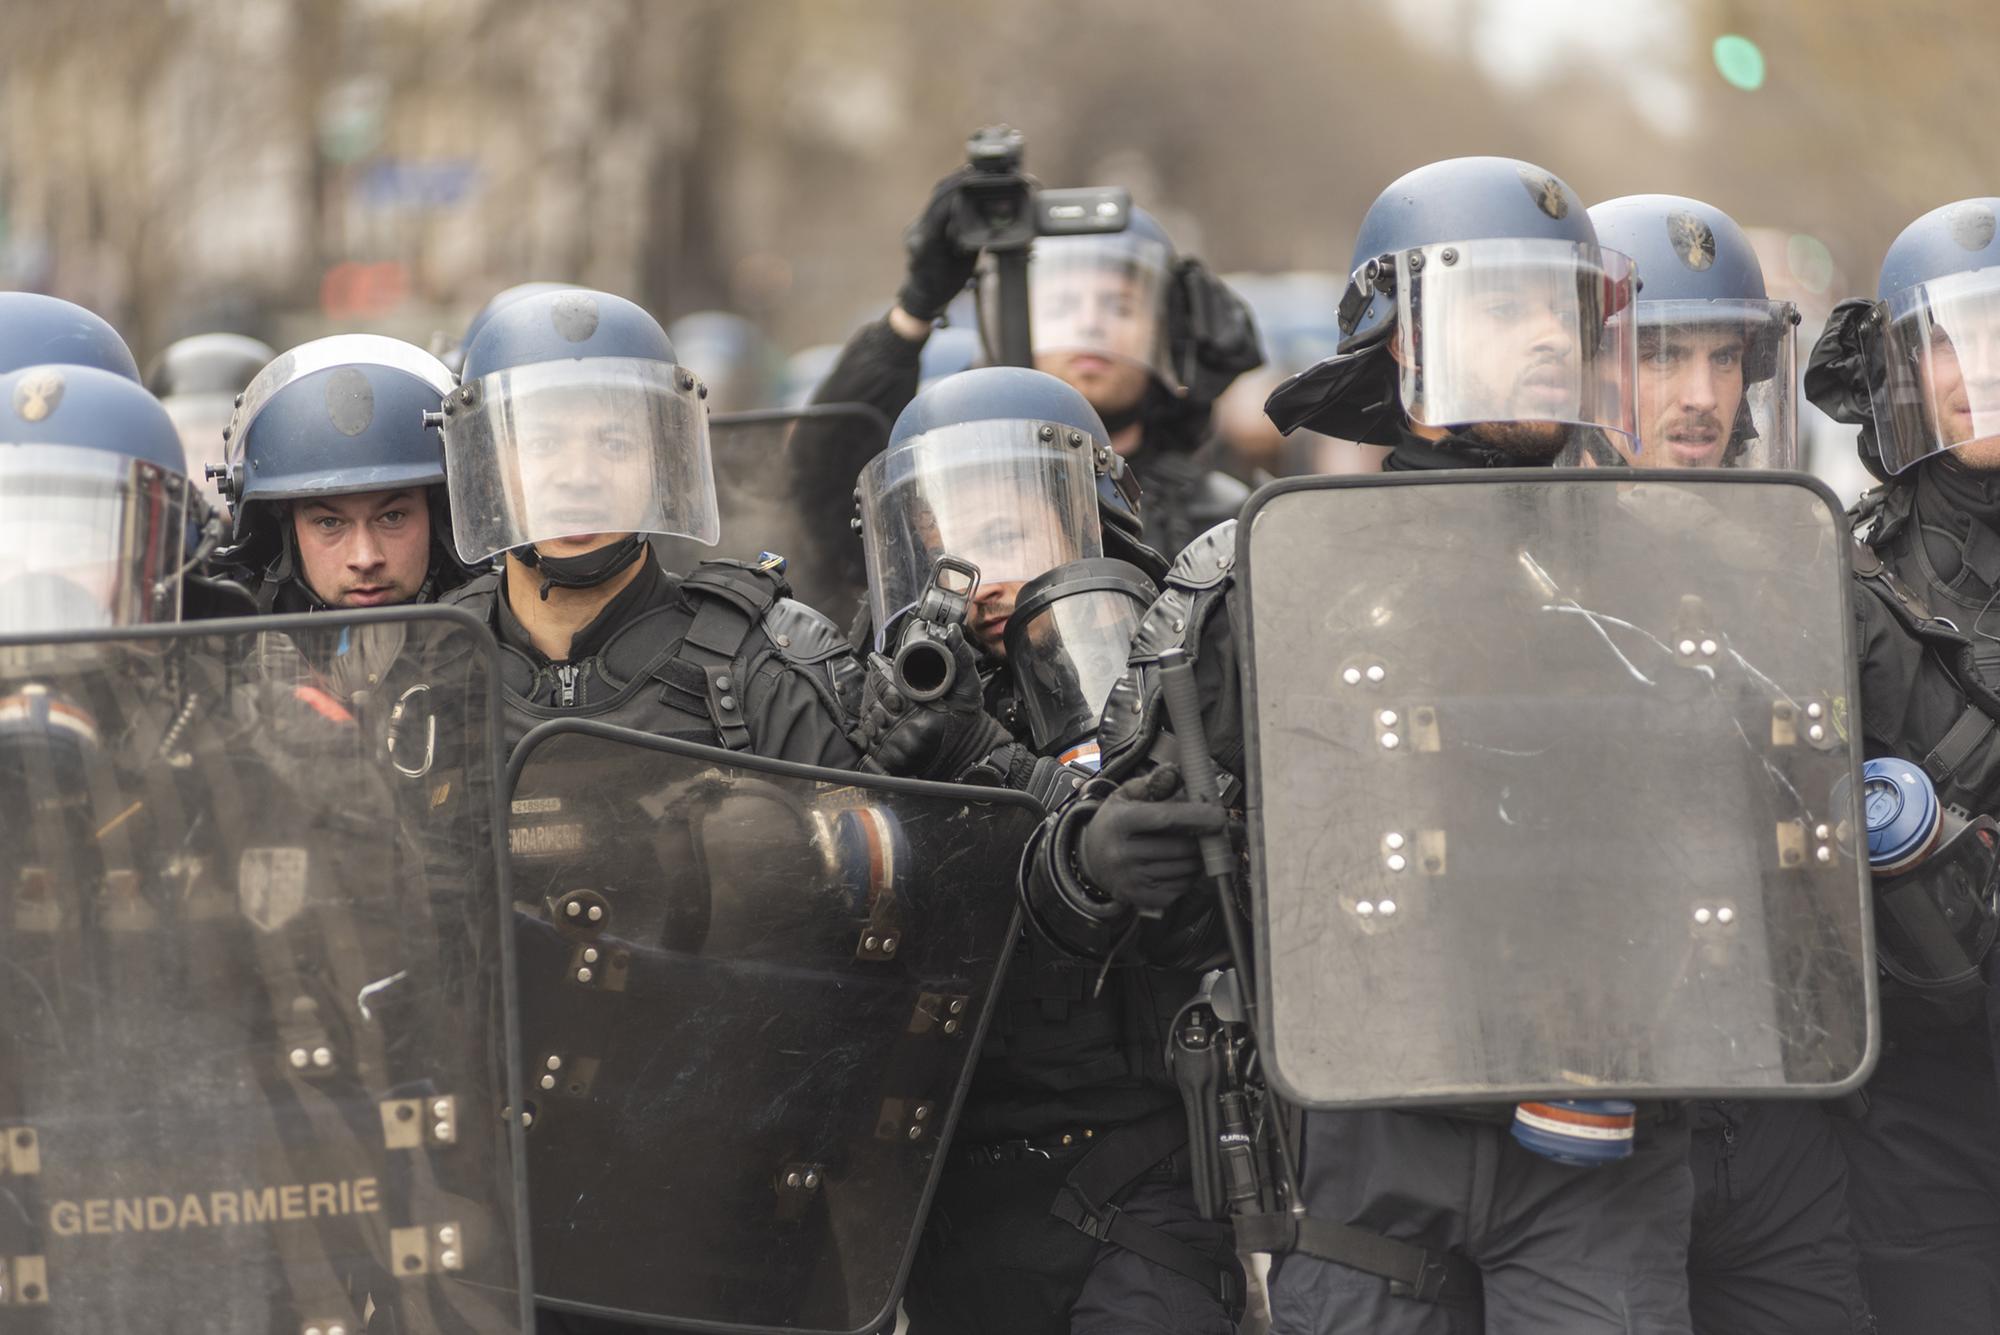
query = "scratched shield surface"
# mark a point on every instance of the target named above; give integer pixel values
(751, 996)
(1552, 788)
(255, 1045)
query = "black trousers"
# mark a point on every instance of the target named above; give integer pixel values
(1923, 1188)
(1561, 1250)
(1771, 1250)
(993, 1261)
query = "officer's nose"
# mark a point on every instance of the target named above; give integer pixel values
(1697, 387)
(365, 552)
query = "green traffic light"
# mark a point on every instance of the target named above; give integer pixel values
(1740, 62)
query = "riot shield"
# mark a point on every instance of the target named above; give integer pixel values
(1551, 781)
(784, 483)
(256, 1046)
(752, 993)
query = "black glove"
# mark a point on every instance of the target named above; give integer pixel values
(1839, 372)
(941, 739)
(1142, 847)
(939, 268)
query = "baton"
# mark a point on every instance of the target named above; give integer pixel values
(1198, 777)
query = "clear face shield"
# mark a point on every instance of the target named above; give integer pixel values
(1015, 498)
(88, 539)
(1939, 346)
(599, 447)
(1067, 645)
(1094, 296)
(1717, 385)
(1508, 331)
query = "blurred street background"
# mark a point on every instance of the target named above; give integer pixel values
(286, 168)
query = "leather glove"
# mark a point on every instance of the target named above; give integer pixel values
(1211, 332)
(1142, 847)
(938, 268)
(940, 739)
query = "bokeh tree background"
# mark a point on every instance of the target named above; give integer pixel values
(287, 167)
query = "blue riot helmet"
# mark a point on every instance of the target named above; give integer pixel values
(1920, 365)
(198, 379)
(995, 466)
(500, 300)
(948, 351)
(1718, 369)
(732, 357)
(338, 416)
(93, 502)
(575, 430)
(36, 330)
(1478, 294)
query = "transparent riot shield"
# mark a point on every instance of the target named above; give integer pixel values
(255, 1021)
(752, 993)
(1551, 781)
(784, 483)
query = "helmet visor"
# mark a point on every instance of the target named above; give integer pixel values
(1516, 331)
(571, 449)
(88, 539)
(1066, 656)
(1939, 347)
(1095, 296)
(998, 494)
(1717, 384)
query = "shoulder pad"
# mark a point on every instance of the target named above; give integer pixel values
(1207, 561)
(803, 634)
(475, 595)
(754, 588)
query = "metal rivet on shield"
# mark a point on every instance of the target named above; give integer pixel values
(301, 1058)
(812, 1181)
(951, 1026)
(1815, 710)
(1047, 433)
(1397, 862)
(448, 1236)
(1708, 648)
(548, 1082)
(1352, 676)
(442, 1130)
(1376, 672)
(889, 944)
(870, 942)
(1687, 648)
(1386, 907)
(1365, 908)
(1824, 854)
(596, 913)
(449, 1260)
(555, 1063)
(584, 975)
(1392, 840)
(1388, 718)
(336, 1330)
(590, 954)
(1816, 733)
(441, 1108)
(322, 1057)
(1821, 833)
(792, 1179)
(1390, 741)
(574, 909)
(1725, 915)
(1701, 916)
(916, 1133)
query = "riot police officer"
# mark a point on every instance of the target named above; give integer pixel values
(995, 467)
(1915, 368)
(1514, 350)
(1770, 1247)
(573, 436)
(335, 482)
(198, 379)
(94, 505)
(1146, 334)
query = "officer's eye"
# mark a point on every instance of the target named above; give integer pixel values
(392, 518)
(539, 447)
(328, 524)
(1725, 358)
(614, 447)
(1504, 311)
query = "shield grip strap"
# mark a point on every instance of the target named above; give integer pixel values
(1412, 1271)
(1121, 1158)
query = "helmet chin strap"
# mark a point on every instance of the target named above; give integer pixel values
(585, 571)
